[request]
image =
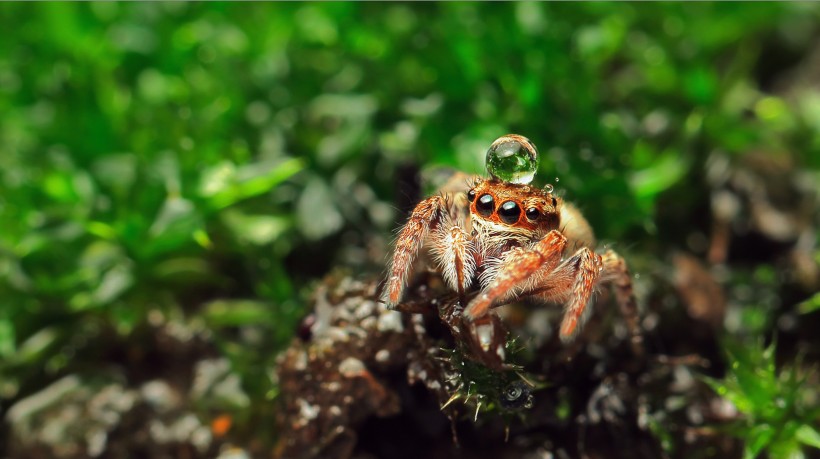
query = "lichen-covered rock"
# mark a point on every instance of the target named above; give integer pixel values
(78, 417)
(333, 378)
(103, 414)
(354, 355)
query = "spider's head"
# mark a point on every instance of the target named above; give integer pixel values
(513, 207)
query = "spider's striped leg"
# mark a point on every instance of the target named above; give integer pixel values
(575, 278)
(427, 215)
(617, 274)
(517, 270)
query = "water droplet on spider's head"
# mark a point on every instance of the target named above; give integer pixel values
(548, 188)
(512, 158)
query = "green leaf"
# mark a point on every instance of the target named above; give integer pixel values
(60, 187)
(113, 284)
(810, 305)
(701, 85)
(666, 170)
(256, 229)
(728, 389)
(249, 181)
(175, 211)
(752, 367)
(35, 346)
(7, 339)
(183, 270)
(224, 313)
(808, 435)
(758, 438)
(174, 227)
(116, 171)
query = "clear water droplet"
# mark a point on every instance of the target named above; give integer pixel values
(512, 158)
(513, 392)
(557, 179)
(548, 188)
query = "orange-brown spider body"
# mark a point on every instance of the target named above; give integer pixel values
(509, 242)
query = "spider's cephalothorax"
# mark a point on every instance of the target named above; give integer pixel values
(507, 240)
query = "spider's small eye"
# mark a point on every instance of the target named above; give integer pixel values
(471, 195)
(554, 202)
(485, 205)
(509, 212)
(532, 213)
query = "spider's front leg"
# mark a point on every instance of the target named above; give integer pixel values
(452, 247)
(573, 283)
(575, 278)
(519, 268)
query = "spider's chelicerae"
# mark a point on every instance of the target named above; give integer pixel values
(508, 240)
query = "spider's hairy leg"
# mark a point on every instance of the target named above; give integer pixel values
(577, 277)
(617, 274)
(427, 215)
(518, 268)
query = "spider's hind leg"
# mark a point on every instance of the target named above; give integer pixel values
(617, 274)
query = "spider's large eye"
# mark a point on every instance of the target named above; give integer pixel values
(509, 212)
(532, 213)
(485, 205)
(471, 195)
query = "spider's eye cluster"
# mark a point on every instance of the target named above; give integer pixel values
(509, 211)
(512, 158)
(485, 205)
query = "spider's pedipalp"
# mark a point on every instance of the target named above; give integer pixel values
(454, 252)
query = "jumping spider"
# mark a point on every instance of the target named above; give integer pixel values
(504, 240)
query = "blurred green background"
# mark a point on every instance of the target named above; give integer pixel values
(207, 162)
